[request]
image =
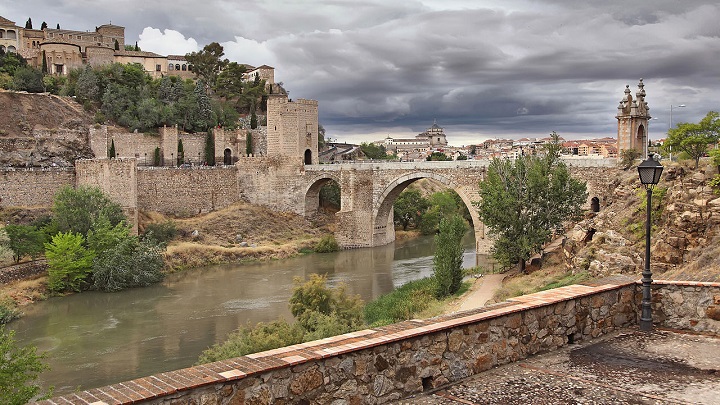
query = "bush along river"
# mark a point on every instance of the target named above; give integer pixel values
(94, 339)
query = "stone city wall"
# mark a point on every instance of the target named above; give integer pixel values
(392, 362)
(693, 306)
(117, 178)
(32, 187)
(186, 191)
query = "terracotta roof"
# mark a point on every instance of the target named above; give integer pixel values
(5, 21)
(123, 52)
(176, 57)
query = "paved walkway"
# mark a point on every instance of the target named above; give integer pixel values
(632, 367)
(482, 291)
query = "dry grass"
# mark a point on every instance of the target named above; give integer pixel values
(24, 292)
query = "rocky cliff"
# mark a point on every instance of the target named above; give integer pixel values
(42, 130)
(685, 237)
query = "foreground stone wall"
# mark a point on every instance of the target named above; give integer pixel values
(186, 191)
(691, 306)
(32, 187)
(388, 363)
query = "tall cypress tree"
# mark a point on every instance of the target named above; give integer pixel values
(253, 120)
(210, 148)
(180, 152)
(248, 144)
(28, 24)
(43, 26)
(111, 151)
(156, 157)
(44, 64)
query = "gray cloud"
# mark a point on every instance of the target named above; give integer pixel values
(509, 68)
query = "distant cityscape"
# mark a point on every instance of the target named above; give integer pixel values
(434, 140)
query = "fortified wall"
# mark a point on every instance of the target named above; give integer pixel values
(117, 178)
(187, 191)
(32, 187)
(388, 363)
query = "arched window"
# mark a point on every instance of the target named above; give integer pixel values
(308, 157)
(177, 66)
(227, 157)
(184, 67)
(171, 66)
(11, 49)
(2, 48)
(595, 204)
(190, 68)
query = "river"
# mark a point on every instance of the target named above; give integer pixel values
(94, 339)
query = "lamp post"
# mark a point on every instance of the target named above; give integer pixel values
(649, 171)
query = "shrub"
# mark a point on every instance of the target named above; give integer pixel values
(130, 263)
(8, 310)
(402, 304)
(314, 296)
(19, 368)
(76, 210)
(69, 262)
(160, 232)
(627, 158)
(327, 244)
(249, 339)
(25, 240)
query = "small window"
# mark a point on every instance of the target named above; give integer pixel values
(177, 66)
(171, 66)
(157, 68)
(184, 67)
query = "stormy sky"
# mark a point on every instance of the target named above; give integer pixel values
(482, 69)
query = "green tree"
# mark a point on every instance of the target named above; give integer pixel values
(525, 201)
(374, 151)
(448, 259)
(438, 156)
(137, 48)
(19, 368)
(28, 79)
(409, 207)
(230, 84)
(248, 143)
(157, 161)
(442, 205)
(111, 151)
(210, 148)
(129, 263)
(25, 240)
(207, 63)
(44, 69)
(28, 24)
(180, 152)
(77, 210)
(253, 120)
(43, 25)
(694, 139)
(69, 262)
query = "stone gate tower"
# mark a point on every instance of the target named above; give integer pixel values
(633, 117)
(292, 128)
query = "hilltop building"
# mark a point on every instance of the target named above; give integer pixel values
(415, 148)
(65, 50)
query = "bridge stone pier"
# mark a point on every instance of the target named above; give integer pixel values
(368, 191)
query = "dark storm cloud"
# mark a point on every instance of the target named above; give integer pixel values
(482, 69)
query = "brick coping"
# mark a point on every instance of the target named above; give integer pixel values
(167, 383)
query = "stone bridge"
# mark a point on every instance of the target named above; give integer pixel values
(368, 190)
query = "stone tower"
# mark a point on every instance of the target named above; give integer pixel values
(292, 128)
(633, 116)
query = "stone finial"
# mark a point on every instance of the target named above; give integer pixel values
(641, 92)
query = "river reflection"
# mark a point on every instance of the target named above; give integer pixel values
(94, 339)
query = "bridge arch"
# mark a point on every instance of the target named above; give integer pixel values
(312, 193)
(383, 227)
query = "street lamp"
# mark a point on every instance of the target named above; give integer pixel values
(671, 109)
(649, 171)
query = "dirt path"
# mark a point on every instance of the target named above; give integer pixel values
(480, 292)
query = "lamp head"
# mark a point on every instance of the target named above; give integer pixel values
(649, 171)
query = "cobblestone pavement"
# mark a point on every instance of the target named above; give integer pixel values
(632, 367)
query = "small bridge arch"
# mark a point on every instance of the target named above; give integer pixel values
(312, 193)
(383, 224)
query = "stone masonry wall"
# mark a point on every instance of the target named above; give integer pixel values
(32, 187)
(186, 191)
(691, 306)
(384, 364)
